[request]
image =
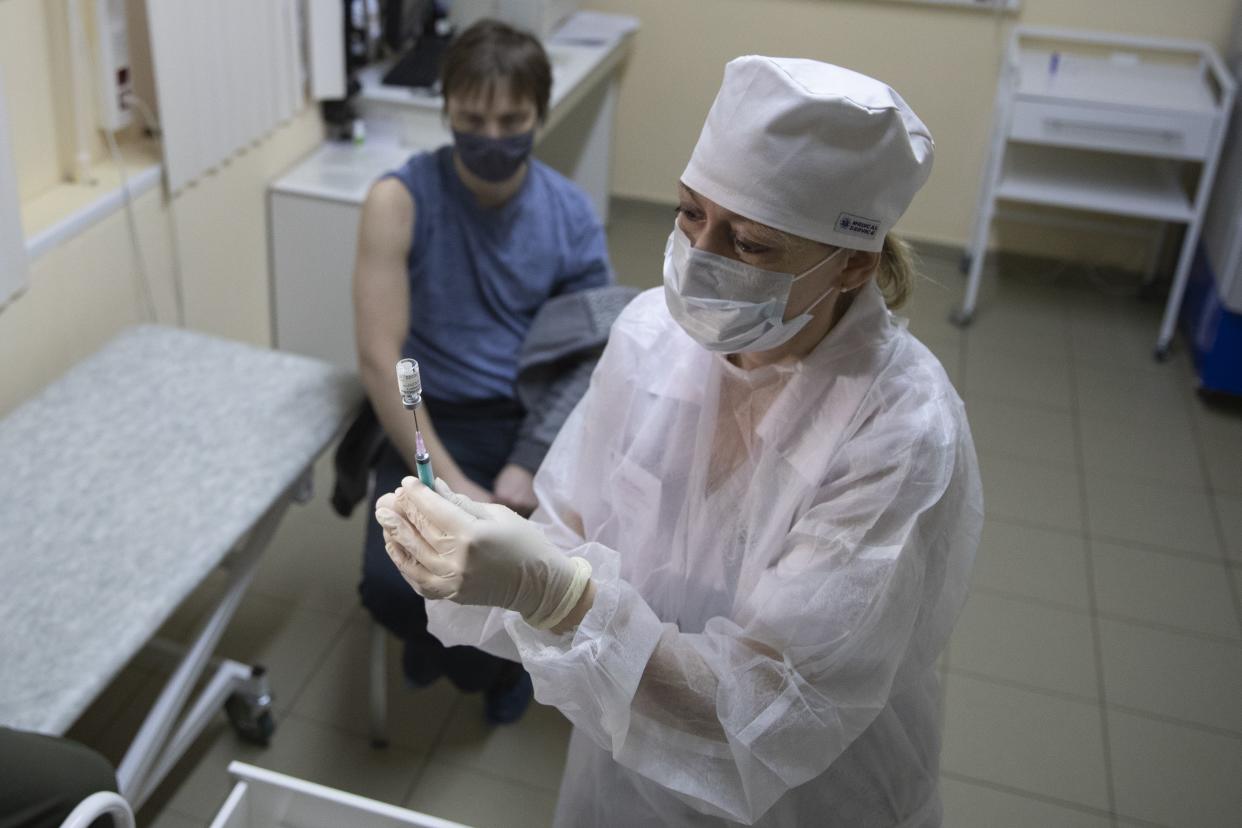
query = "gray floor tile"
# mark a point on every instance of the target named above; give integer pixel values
(1140, 449)
(1021, 282)
(1144, 396)
(198, 785)
(1119, 334)
(1124, 509)
(480, 800)
(303, 749)
(531, 751)
(1020, 377)
(929, 307)
(1168, 674)
(1031, 492)
(1174, 775)
(1224, 469)
(337, 693)
(1036, 330)
(314, 560)
(1024, 740)
(1220, 432)
(1217, 419)
(975, 805)
(1039, 646)
(1046, 564)
(1229, 511)
(169, 818)
(1164, 589)
(1235, 569)
(290, 642)
(1021, 430)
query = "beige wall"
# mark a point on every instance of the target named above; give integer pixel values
(942, 60)
(25, 49)
(83, 292)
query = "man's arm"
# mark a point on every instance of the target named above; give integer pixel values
(382, 319)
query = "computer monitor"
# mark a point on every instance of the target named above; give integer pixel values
(409, 30)
(405, 21)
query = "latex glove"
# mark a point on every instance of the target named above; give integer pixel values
(482, 554)
(515, 488)
(473, 490)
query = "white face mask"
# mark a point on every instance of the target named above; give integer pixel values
(730, 306)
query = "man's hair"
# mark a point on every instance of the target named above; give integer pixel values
(489, 52)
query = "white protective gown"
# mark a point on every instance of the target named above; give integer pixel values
(780, 556)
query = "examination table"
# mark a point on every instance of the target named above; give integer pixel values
(123, 484)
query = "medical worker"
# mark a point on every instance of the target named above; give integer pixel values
(756, 529)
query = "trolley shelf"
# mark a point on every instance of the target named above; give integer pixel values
(1117, 184)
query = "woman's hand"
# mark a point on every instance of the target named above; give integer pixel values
(447, 546)
(515, 488)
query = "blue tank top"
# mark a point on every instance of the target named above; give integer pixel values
(478, 276)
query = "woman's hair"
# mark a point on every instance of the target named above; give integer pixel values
(489, 52)
(895, 275)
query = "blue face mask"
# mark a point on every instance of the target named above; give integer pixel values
(493, 159)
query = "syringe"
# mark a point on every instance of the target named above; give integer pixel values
(410, 384)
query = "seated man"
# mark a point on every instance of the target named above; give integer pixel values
(457, 251)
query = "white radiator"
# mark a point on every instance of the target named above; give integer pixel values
(227, 72)
(13, 263)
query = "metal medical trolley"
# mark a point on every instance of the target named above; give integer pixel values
(1106, 124)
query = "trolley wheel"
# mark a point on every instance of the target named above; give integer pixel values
(1162, 353)
(962, 318)
(252, 723)
(964, 263)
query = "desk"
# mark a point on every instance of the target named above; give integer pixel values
(314, 208)
(126, 482)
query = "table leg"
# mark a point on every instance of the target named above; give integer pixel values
(153, 747)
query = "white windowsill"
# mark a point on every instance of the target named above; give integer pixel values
(67, 210)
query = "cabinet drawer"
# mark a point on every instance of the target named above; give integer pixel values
(1175, 135)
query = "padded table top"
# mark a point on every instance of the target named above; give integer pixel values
(128, 480)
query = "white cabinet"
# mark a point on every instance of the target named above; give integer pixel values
(314, 212)
(1106, 124)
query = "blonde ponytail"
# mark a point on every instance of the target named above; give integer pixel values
(895, 275)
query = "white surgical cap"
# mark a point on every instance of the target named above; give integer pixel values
(811, 149)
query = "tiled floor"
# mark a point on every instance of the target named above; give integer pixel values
(1094, 678)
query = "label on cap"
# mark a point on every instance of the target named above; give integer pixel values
(857, 225)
